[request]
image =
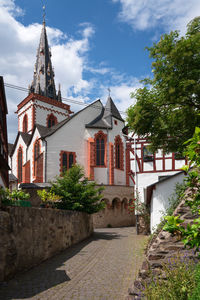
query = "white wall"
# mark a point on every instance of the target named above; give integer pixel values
(35, 137)
(14, 157)
(71, 137)
(43, 109)
(26, 109)
(145, 179)
(160, 198)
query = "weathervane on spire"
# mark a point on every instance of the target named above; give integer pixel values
(44, 12)
(109, 91)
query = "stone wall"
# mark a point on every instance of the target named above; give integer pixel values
(116, 212)
(32, 235)
(163, 247)
(116, 197)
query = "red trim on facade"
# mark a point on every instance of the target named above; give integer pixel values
(24, 111)
(163, 159)
(127, 165)
(91, 158)
(33, 116)
(44, 99)
(111, 164)
(100, 135)
(20, 149)
(34, 166)
(52, 110)
(118, 141)
(26, 172)
(154, 162)
(25, 123)
(173, 161)
(61, 159)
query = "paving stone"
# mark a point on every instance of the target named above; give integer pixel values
(100, 268)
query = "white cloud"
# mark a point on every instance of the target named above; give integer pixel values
(18, 54)
(145, 14)
(120, 92)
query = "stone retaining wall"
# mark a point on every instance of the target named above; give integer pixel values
(29, 236)
(163, 247)
(115, 214)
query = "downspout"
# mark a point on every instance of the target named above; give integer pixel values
(136, 180)
(136, 186)
(108, 166)
(45, 171)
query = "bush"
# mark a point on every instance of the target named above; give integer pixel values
(76, 192)
(14, 198)
(196, 291)
(180, 281)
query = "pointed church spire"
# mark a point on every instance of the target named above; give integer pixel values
(43, 77)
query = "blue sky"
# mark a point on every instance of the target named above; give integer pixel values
(95, 44)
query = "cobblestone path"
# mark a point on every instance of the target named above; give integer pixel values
(100, 268)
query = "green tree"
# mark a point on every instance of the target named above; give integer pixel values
(77, 192)
(168, 107)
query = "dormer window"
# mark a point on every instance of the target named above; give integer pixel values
(51, 121)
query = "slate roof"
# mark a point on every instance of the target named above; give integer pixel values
(43, 77)
(12, 177)
(26, 138)
(10, 147)
(104, 120)
(45, 132)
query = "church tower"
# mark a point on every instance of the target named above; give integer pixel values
(43, 105)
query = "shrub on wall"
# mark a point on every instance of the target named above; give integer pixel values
(14, 198)
(76, 192)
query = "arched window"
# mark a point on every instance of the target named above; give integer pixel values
(19, 164)
(119, 153)
(36, 154)
(71, 160)
(64, 162)
(51, 120)
(100, 149)
(25, 124)
(67, 160)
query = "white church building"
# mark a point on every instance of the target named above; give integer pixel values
(51, 138)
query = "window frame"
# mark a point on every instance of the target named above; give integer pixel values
(68, 154)
(119, 153)
(101, 153)
(51, 118)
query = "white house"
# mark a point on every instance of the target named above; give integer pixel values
(157, 197)
(146, 168)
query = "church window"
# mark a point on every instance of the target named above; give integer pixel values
(36, 154)
(51, 120)
(119, 153)
(19, 163)
(100, 149)
(71, 160)
(147, 155)
(64, 162)
(25, 124)
(67, 160)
